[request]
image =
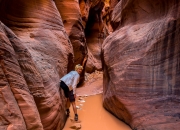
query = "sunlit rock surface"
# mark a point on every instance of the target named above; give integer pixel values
(142, 64)
(32, 64)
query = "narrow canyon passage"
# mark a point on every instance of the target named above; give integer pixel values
(136, 43)
(92, 115)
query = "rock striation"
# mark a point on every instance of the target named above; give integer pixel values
(95, 35)
(33, 58)
(72, 20)
(18, 108)
(142, 64)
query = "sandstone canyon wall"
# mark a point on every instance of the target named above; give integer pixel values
(84, 25)
(142, 64)
(93, 37)
(72, 20)
(32, 60)
(17, 104)
(71, 16)
(96, 31)
(40, 53)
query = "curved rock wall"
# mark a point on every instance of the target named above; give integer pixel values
(142, 64)
(71, 16)
(42, 54)
(16, 64)
(15, 96)
(94, 35)
(84, 6)
(72, 20)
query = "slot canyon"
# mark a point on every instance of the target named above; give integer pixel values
(129, 49)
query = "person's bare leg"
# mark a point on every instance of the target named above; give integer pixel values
(75, 111)
(67, 107)
(74, 107)
(67, 103)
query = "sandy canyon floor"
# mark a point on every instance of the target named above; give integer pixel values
(92, 115)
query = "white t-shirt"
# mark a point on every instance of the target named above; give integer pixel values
(71, 80)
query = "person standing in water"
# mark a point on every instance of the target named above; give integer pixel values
(69, 83)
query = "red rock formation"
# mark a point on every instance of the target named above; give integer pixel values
(142, 64)
(43, 55)
(107, 14)
(94, 35)
(78, 15)
(19, 109)
(71, 16)
(84, 6)
(113, 3)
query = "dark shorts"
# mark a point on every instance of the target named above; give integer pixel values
(67, 93)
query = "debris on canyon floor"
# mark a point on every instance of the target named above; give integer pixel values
(75, 124)
(93, 76)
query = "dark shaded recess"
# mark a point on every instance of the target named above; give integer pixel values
(83, 49)
(82, 76)
(106, 78)
(94, 16)
(114, 25)
(83, 0)
(85, 57)
(70, 66)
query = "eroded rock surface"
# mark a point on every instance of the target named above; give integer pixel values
(32, 64)
(71, 16)
(72, 20)
(95, 35)
(142, 64)
(18, 108)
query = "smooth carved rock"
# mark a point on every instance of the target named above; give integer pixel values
(142, 64)
(95, 36)
(18, 108)
(84, 6)
(71, 16)
(41, 55)
(72, 20)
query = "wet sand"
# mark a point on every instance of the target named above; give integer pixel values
(93, 116)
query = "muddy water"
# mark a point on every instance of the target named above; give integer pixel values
(94, 117)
